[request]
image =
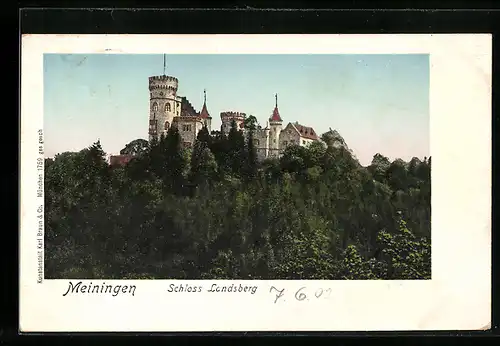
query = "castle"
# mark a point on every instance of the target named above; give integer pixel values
(169, 109)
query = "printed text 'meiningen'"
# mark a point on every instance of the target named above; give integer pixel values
(114, 290)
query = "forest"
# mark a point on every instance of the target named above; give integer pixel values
(215, 212)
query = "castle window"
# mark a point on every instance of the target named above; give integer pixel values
(152, 127)
(186, 127)
(285, 143)
(303, 142)
(256, 142)
(167, 125)
(167, 107)
(155, 106)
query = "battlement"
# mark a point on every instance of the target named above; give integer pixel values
(163, 82)
(232, 115)
(163, 78)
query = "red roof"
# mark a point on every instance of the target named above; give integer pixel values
(204, 112)
(276, 115)
(306, 132)
(120, 160)
(187, 108)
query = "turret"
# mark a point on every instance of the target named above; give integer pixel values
(228, 117)
(164, 104)
(275, 124)
(204, 113)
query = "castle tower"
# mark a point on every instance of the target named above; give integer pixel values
(164, 103)
(275, 126)
(207, 119)
(228, 117)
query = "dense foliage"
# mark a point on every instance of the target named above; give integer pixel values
(215, 212)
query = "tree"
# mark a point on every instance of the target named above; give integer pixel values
(135, 147)
(236, 149)
(379, 166)
(250, 156)
(219, 147)
(403, 257)
(203, 163)
(251, 123)
(168, 161)
(397, 175)
(314, 213)
(204, 136)
(78, 191)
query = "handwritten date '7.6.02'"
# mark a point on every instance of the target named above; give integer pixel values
(302, 294)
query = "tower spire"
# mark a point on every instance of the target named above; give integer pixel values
(276, 114)
(204, 112)
(164, 63)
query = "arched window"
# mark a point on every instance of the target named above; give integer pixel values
(167, 125)
(167, 107)
(155, 106)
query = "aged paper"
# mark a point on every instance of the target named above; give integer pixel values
(457, 296)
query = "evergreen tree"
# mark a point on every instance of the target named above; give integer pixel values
(173, 161)
(219, 147)
(315, 213)
(236, 149)
(250, 157)
(203, 163)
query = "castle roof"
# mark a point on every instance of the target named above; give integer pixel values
(204, 112)
(305, 131)
(276, 114)
(187, 108)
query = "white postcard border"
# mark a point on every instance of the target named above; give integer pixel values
(457, 297)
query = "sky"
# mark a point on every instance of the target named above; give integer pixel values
(378, 103)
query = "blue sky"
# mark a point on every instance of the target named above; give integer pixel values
(378, 103)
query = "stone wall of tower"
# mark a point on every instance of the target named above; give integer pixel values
(227, 118)
(262, 143)
(208, 124)
(274, 138)
(163, 104)
(188, 129)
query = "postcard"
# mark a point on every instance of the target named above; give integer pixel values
(240, 183)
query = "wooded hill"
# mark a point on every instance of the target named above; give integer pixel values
(217, 213)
